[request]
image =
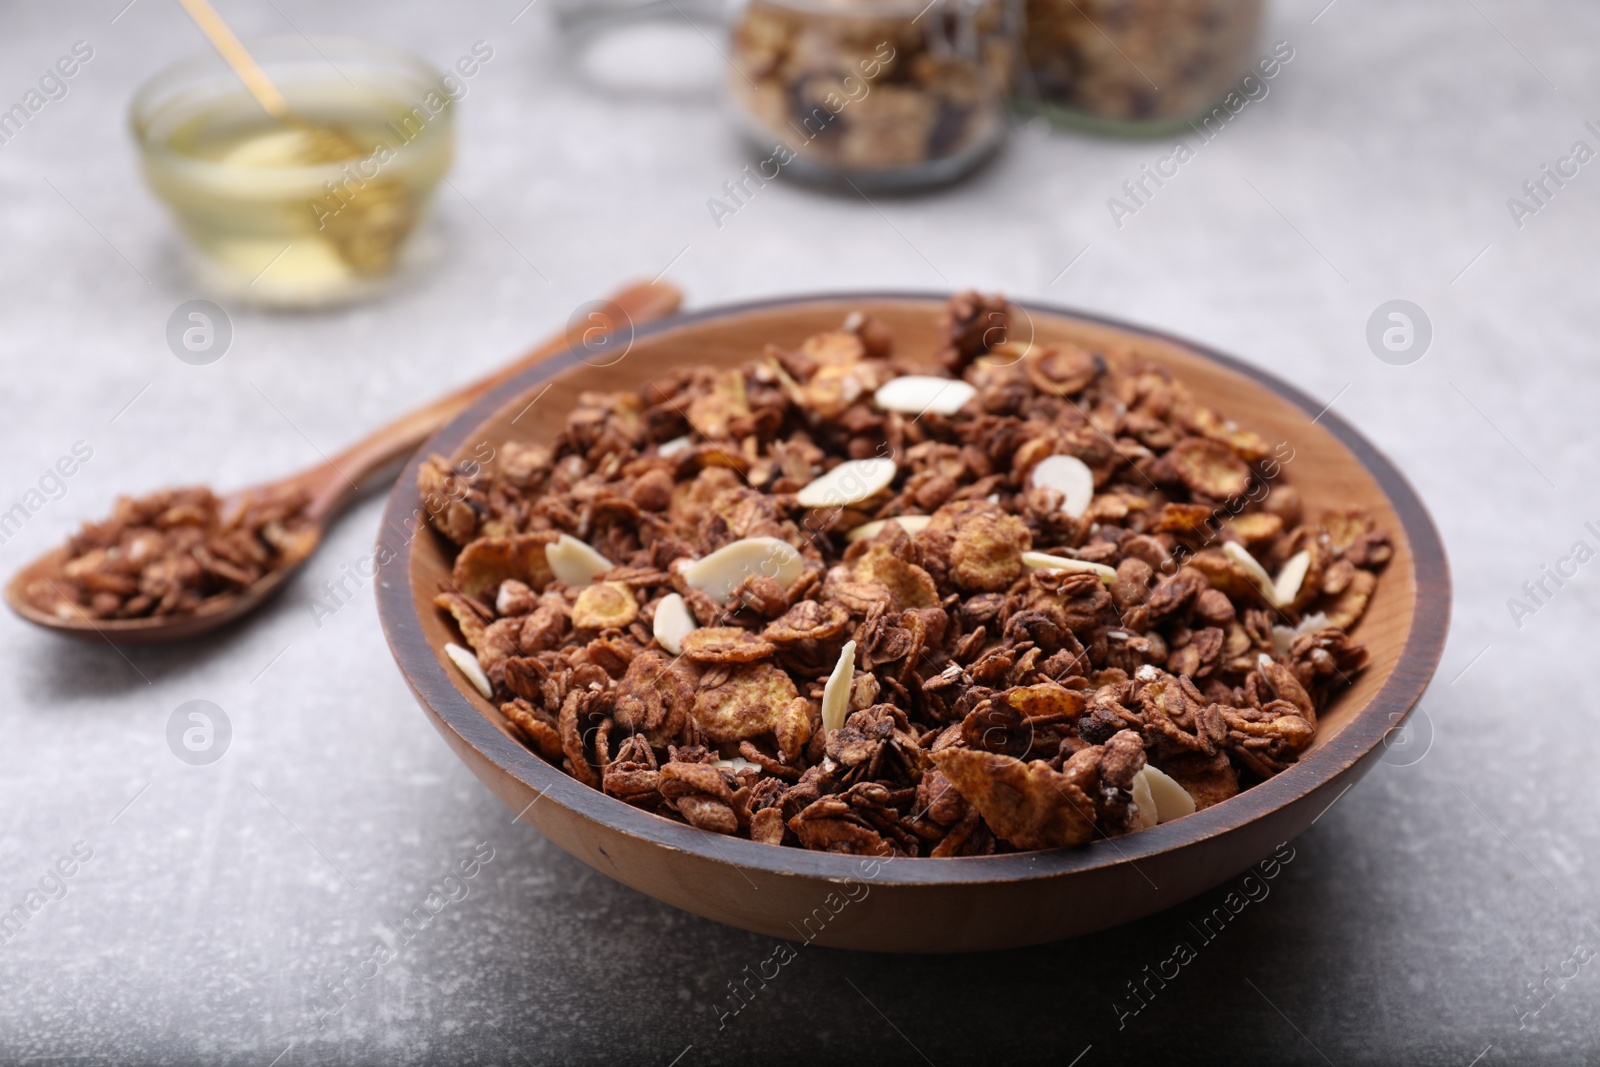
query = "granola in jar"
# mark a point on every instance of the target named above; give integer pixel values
(985, 598)
(1130, 63)
(883, 92)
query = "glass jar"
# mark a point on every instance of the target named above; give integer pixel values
(284, 212)
(635, 51)
(1137, 66)
(879, 93)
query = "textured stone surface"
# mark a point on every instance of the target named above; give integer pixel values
(222, 899)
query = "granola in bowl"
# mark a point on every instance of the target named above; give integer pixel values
(990, 598)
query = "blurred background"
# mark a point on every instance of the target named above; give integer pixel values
(1418, 160)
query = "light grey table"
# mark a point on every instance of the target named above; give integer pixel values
(222, 903)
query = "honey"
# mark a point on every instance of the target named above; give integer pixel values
(312, 212)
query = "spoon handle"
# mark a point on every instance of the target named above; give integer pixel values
(333, 482)
(222, 38)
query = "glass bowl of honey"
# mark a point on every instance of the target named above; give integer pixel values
(318, 210)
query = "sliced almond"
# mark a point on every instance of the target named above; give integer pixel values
(836, 693)
(848, 483)
(509, 594)
(1241, 556)
(674, 446)
(909, 523)
(917, 394)
(1286, 587)
(1283, 636)
(1038, 560)
(1172, 800)
(672, 623)
(1312, 623)
(721, 572)
(574, 562)
(466, 662)
(1068, 476)
(736, 764)
(1144, 804)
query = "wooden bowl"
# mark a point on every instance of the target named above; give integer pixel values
(929, 905)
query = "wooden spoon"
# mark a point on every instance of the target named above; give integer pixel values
(330, 485)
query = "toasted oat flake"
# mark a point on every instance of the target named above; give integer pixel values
(749, 703)
(487, 562)
(1208, 468)
(672, 623)
(1256, 527)
(1069, 476)
(850, 482)
(574, 562)
(1286, 587)
(836, 693)
(1029, 804)
(1037, 560)
(726, 644)
(604, 606)
(467, 663)
(919, 394)
(720, 573)
(1348, 607)
(911, 524)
